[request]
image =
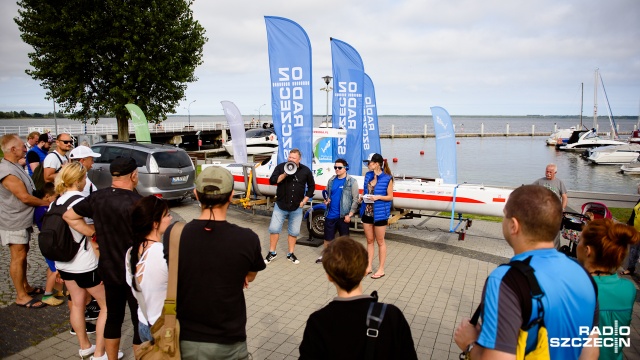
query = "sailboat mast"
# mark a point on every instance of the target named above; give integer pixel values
(582, 102)
(595, 100)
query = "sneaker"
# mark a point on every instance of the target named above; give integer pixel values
(291, 257)
(86, 352)
(270, 257)
(104, 356)
(91, 329)
(51, 301)
(92, 311)
(319, 260)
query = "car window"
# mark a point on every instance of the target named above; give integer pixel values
(100, 150)
(172, 159)
(110, 153)
(140, 157)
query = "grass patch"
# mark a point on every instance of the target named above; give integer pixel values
(621, 214)
(473, 217)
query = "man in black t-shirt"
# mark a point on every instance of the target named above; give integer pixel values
(110, 209)
(217, 261)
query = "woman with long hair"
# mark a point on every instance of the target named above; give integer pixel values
(377, 197)
(81, 273)
(602, 248)
(147, 270)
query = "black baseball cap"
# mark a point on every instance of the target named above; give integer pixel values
(122, 166)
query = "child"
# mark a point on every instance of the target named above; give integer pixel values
(339, 330)
(48, 194)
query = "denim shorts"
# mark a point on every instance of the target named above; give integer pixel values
(278, 217)
(144, 331)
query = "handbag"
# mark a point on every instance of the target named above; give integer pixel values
(165, 343)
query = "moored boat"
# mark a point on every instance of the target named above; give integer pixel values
(582, 140)
(259, 141)
(560, 136)
(614, 154)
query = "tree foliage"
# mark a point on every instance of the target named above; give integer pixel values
(95, 56)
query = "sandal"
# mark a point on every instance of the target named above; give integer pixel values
(36, 291)
(377, 276)
(32, 304)
(626, 272)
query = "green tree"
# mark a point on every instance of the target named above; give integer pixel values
(95, 56)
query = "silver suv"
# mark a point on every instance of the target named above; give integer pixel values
(163, 170)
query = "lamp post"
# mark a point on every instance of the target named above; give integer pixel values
(327, 80)
(189, 112)
(260, 108)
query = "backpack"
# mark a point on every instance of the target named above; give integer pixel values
(55, 240)
(38, 176)
(541, 350)
(38, 173)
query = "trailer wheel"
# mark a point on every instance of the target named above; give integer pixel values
(317, 224)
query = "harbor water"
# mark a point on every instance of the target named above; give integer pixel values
(497, 161)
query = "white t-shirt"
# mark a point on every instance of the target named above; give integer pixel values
(85, 260)
(52, 161)
(89, 187)
(153, 276)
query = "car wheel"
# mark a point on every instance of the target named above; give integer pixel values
(317, 224)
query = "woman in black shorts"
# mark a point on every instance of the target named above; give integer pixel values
(81, 273)
(377, 197)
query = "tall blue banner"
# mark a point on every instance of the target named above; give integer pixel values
(370, 130)
(291, 91)
(347, 110)
(445, 145)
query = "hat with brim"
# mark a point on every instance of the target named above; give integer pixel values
(374, 158)
(82, 152)
(122, 166)
(214, 180)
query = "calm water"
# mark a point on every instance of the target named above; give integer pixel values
(503, 161)
(508, 161)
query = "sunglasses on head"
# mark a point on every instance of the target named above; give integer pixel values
(66, 141)
(338, 167)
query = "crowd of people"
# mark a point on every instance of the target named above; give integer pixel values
(124, 250)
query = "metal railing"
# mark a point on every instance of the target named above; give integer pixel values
(112, 129)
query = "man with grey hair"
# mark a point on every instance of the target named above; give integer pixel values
(556, 185)
(16, 203)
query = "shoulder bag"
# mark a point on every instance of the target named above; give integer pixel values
(166, 330)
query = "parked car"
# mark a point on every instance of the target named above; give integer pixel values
(164, 171)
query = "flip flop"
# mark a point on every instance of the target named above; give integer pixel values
(32, 304)
(36, 291)
(377, 276)
(626, 272)
(367, 274)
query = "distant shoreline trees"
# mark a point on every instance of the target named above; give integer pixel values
(25, 115)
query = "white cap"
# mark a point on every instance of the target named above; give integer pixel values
(82, 152)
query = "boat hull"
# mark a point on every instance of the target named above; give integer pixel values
(415, 194)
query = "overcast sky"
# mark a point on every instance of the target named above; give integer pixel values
(491, 57)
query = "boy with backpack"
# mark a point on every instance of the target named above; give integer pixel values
(48, 193)
(353, 325)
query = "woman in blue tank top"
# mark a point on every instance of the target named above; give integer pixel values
(377, 197)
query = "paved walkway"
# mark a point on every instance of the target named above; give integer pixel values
(432, 277)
